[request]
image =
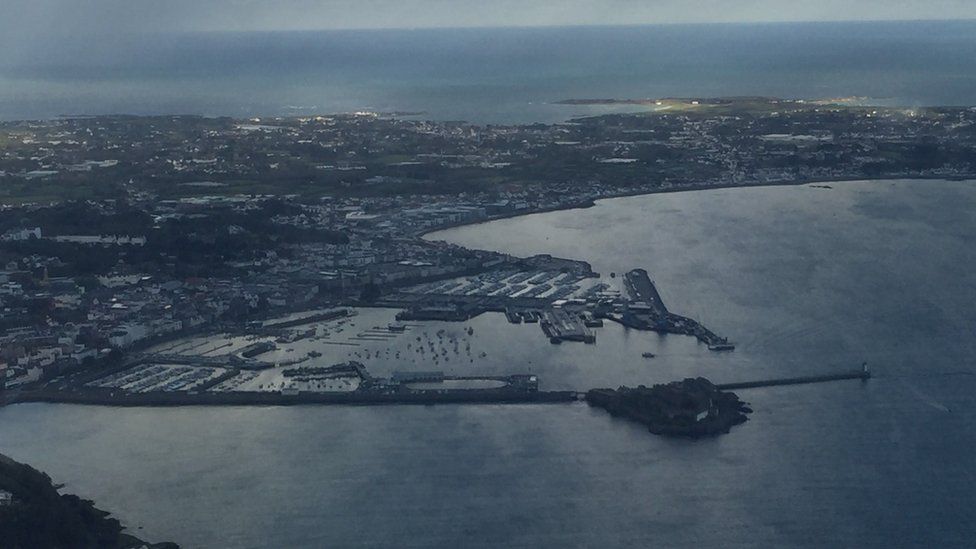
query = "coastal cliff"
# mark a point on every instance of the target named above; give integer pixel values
(34, 515)
(692, 408)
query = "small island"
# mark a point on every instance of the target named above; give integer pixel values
(692, 408)
(34, 515)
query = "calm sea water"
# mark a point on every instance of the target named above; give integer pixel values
(486, 75)
(804, 280)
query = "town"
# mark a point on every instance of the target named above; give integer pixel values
(121, 233)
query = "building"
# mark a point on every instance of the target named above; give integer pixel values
(22, 234)
(6, 498)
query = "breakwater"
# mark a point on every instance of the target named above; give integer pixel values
(864, 373)
(278, 399)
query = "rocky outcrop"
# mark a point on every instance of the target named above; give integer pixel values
(691, 408)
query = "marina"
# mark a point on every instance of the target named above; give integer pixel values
(258, 358)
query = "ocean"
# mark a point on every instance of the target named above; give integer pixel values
(495, 75)
(803, 279)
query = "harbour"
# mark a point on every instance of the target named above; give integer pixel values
(290, 473)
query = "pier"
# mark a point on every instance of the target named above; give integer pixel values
(648, 312)
(642, 290)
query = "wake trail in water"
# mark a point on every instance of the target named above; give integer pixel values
(926, 399)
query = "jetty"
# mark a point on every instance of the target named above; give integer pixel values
(864, 373)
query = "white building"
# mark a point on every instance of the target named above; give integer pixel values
(124, 336)
(22, 234)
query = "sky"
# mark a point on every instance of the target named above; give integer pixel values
(29, 27)
(29, 19)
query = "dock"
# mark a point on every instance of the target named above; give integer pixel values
(647, 311)
(559, 326)
(642, 289)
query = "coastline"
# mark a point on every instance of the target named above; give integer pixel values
(591, 202)
(359, 399)
(39, 515)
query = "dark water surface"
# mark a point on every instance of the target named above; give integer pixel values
(805, 280)
(487, 75)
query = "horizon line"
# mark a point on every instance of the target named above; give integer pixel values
(572, 25)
